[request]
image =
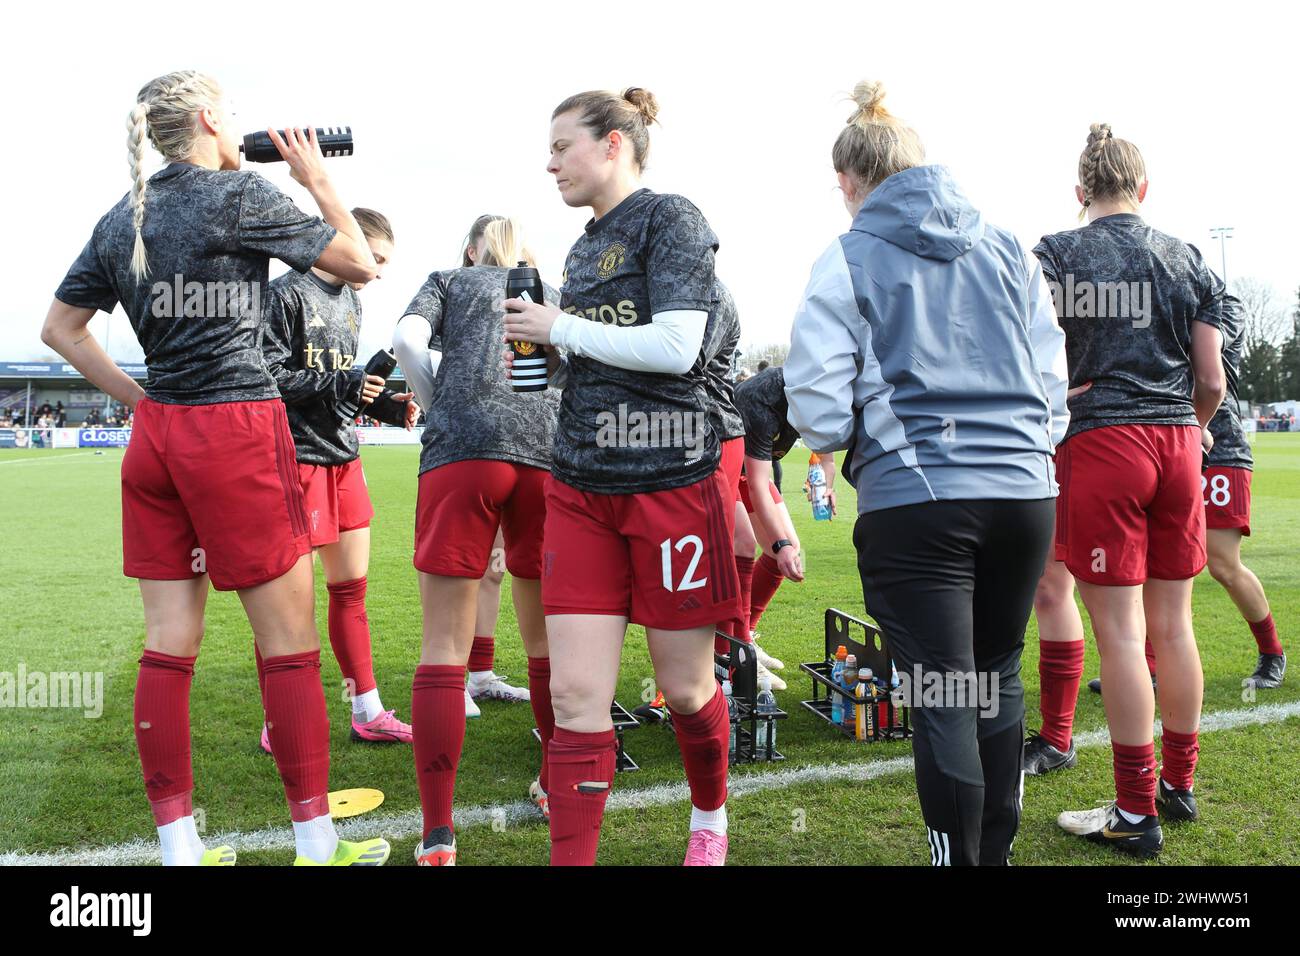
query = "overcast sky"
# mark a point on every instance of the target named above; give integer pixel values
(451, 106)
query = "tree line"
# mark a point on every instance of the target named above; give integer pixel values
(1270, 361)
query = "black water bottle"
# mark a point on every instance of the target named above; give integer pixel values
(528, 373)
(381, 364)
(333, 141)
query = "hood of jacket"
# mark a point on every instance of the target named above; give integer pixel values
(923, 211)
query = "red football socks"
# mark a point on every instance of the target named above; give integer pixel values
(482, 654)
(703, 738)
(1178, 758)
(438, 729)
(1266, 638)
(162, 733)
(1135, 778)
(299, 728)
(1060, 665)
(539, 693)
(350, 633)
(581, 769)
(766, 579)
(745, 570)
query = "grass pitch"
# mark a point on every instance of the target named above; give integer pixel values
(73, 782)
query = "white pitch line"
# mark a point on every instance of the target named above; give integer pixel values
(46, 460)
(401, 826)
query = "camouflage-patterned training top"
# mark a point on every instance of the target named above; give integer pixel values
(1126, 296)
(721, 336)
(626, 432)
(762, 403)
(310, 343)
(475, 413)
(210, 235)
(1231, 448)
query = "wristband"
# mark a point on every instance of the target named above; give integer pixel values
(780, 543)
(386, 409)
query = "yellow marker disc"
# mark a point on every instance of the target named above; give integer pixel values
(351, 803)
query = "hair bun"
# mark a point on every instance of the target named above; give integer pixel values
(1099, 132)
(868, 94)
(644, 101)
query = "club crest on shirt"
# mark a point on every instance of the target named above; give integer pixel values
(352, 322)
(610, 260)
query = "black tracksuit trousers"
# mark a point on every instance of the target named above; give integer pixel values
(951, 584)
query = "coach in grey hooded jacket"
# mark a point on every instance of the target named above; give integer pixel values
(927, 344)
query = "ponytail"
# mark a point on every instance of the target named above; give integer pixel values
(1109, 168)
(505, 244)
(165, 111)
(875, 144)
(137, 128)
(630, 112)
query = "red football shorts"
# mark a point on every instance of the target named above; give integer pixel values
(662, 559)
(212, 488)
(733, 464)
(1226, 493)
(337, 499)
(744, 498)
(459, 508)
(1130, 504)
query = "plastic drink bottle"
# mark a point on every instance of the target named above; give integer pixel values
(821, 505)
(837, 678)
(528, 370)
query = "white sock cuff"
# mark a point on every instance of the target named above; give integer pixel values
(715, 820)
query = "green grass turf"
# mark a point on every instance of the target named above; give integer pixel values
(69, 781)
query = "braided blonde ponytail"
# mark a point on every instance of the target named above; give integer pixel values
(165, 110)
(1109, 168)
(137, 128)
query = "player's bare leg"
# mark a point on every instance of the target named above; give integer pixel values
(1120, 625)
(484, 683)
(1169, 627)
(527, 594)
(1223, 546)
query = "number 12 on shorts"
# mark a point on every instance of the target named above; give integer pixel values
(687, 582)
(1220, 493)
